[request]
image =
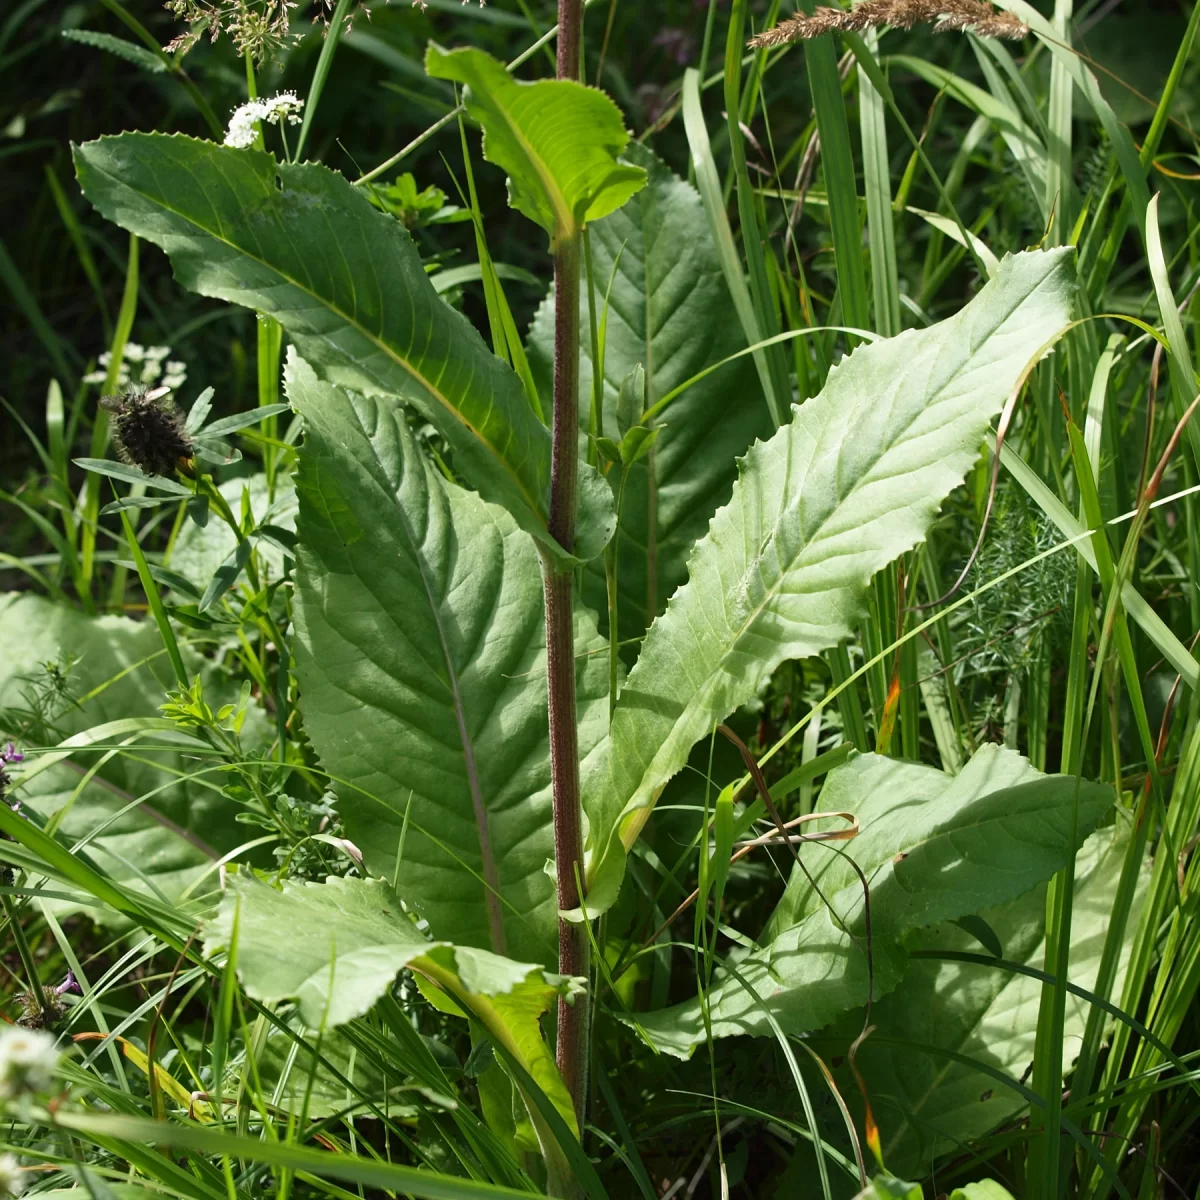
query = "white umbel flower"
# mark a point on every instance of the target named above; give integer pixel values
(100, 375)
(28, 1059)
(174, 374)
(12, 1178)
(142, 365)
(243, 132)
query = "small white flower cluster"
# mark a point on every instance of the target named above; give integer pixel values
(28, 1059)
(142, 366)
(12, 1178)
(242, 131)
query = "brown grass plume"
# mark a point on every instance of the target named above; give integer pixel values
(975, 16)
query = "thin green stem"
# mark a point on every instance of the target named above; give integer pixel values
(26, 955)
(89, 525)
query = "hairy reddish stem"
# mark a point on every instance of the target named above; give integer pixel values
(572, 1046)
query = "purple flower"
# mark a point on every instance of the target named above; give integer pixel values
(10, 754)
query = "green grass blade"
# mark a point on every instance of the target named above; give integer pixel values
(1058, 200)
(154, 599)
(998, 108)
(885, 285)
(82, 250)
(1047, 1148)
(709, 186)
(1107, 255)
(60, 353)
(837, 162)
(125, 1133)
(1183, 374)
(866, 60)
(1175, 652)
(91, 485)
(333, 35)
(753, 237)
(1118, 134)
(506, 342)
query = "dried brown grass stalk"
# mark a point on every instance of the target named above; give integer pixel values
(977, 16)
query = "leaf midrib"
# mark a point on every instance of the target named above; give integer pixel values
(771, 592)
(491, 878)
(489, 871)
(565, 219)
(377, 341)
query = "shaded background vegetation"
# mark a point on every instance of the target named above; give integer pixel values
(55, 91)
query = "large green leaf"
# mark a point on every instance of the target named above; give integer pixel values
(301, 244)
(357, 937)
(933, 848)
(557, 140)
(928, 1104)
(150, 818)
(853, 481)
(668, 310)
(421, 656)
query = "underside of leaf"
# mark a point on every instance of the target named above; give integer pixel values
(852, 482)
(932, 848)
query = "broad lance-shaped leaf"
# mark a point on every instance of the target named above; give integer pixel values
(301, 244)
(668, 309)
(853, 481)
(928, 1104)
(558, 140)
(420, 651)
(933, 848)
(350, 937)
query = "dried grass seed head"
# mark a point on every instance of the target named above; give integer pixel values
(975, 16)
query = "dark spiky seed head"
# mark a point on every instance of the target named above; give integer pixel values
(148, 431)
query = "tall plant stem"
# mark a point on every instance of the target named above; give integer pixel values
(572, 1049)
